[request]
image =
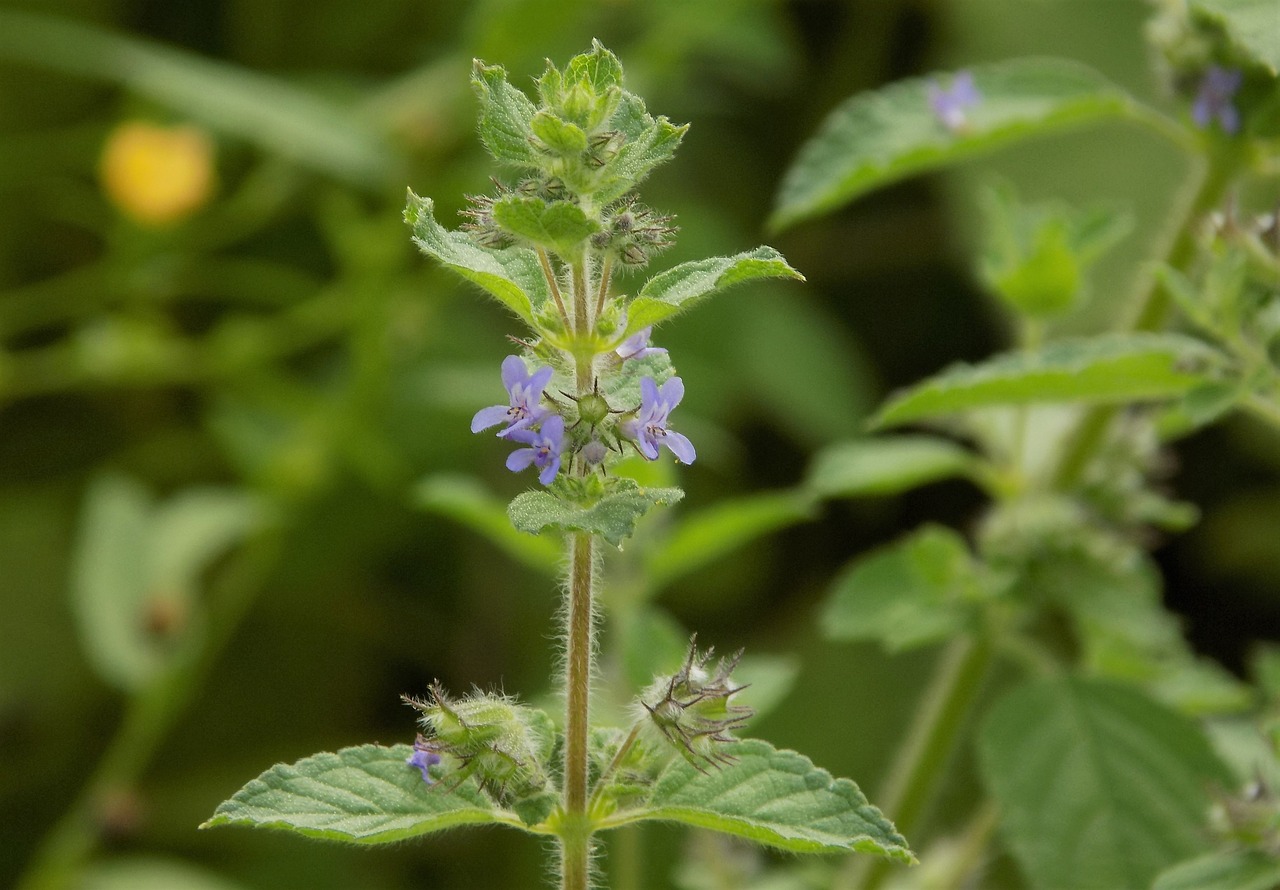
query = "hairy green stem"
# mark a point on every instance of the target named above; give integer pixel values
(940, 717)
(575, 833)
(148, 719)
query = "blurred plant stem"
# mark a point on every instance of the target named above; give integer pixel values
(148, 718)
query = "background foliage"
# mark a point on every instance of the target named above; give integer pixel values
(220, 425)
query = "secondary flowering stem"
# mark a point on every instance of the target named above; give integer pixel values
(606, 272)
(575, 841)
(554, 285)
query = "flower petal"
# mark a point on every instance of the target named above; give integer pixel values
(647, 446)
(672, 392)
(487, 417)
(548, 474)
(520, 460)
(538, 382)
(513, 371)
(553, 429)
(648, 395)
(680, 446)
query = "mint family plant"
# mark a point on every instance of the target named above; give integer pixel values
(585, 389)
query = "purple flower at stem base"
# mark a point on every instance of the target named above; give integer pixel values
(424, 757)
(524, 390)
(637, 345)
(1213, 100)
(544, 449)
(649, 429)
(949, 105)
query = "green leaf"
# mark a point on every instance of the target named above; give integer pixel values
(886, 465)
(599, 69)
(514, 275)
(1098, 785)
(612, 517)
(1253, 25)
(652, 146)
(505, 116)
(362, 795)
(561, 136)
(151, 873)
(679, 288)
(560, 226)
(772, 797)
(467, 502)
(879, 137)
(1106, 369)
(260, 109)
(1234, 870)
(703, 537)
(908, 594)
(768, 679)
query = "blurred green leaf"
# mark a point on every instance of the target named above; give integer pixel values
(908, 594)
(1233, 870)
(679, 288)
(362, 795)
(281, 118)
(514, 275)
(465, 501)
(652, 643)
(768, 680)
(879, 137)
(612, 517)
(886, 465)
(151, 873)
(772, 797)
(1098, 785)
(703, 537)
(1105, 369)
(1253, 25)
(560, 226)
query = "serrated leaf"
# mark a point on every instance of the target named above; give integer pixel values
(362, 795)
(1253, 25)
(505, 116)
(681, 287)
(599, 68)
(651, 147)
(1097, 370)
(772, 797)
(886, 465)
(1235, 870)
(876, 138)
(562, 136)
(513, 276)
(612, 517)
(1098, 785)
(703, 537)
(560, 226)
(911, 593)
(465, 501)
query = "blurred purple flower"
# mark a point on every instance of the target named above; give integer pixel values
(544, 449)
(1213, 101)
(424, 757)
(525, 391)
(949, 105)
(649, 427)
(637, 345)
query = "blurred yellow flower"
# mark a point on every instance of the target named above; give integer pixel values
(157, 175)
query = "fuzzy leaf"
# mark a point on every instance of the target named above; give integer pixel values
(505, 116)
(1254, 25)
(886, 465)
(513, 275)
(561, 136)
(612, 517)
(1098, 785)
(681, 287)
(560, 226)
(702, 537)
(879, 137)
(598, 69)
(463, 500)
(772, 797)
(1235, 870)
(1105, 369)
(362, 795)
(650, 147)
(908, 594)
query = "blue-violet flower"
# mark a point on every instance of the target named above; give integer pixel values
(544, 449)
(637, 345)
(424, 757)
(525, 390)
(649, 428)
(949, 105)
(1213, 101)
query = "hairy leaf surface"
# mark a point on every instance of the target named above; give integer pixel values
(612, 517)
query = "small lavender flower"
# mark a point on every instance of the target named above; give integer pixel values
(649, 428)
(637, 345)
(1213, 101)
(525, 391)
(424, 757)
(544, 449)
(949, 105)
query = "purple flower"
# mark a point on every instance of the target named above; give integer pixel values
(1213, 101)
(525, 391)
(637, 345)
(949, 105)
(649, 428)
(424, 757)
(543, 451)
